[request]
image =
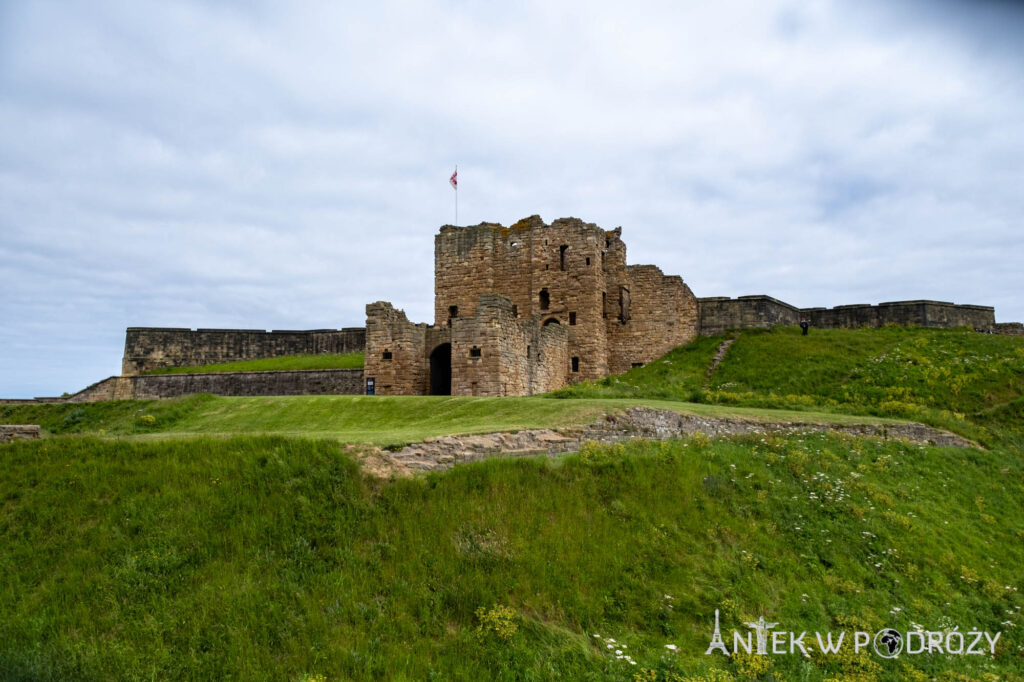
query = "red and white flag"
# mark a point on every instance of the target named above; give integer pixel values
(454, 179)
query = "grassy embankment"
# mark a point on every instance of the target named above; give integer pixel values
(375, 420)
(319, 361)
(275, 558)
(966, 382)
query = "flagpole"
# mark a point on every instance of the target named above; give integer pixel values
(456, 197)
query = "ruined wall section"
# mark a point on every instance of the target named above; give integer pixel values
(395, 351)
(148, 348)
(489, 351)
(496, 353)
(549, 365)
(654, 314)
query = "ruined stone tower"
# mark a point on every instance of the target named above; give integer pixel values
(527, 309)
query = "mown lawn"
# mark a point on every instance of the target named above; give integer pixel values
(377, 420)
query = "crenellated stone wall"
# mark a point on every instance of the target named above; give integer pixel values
(148, 348)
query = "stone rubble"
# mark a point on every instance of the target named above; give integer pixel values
(435, 454)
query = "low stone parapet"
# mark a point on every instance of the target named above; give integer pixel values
(11, 432)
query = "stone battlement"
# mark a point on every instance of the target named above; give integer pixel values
(719, 314)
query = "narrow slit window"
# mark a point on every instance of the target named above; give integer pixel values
(575, 364)
(572, 318)
(545, 299)
(561, 256)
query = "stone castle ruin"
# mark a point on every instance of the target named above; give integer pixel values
(527, 309)
(518, 310)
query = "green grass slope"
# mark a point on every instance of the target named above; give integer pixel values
(276, 559)
(376, 420)
(135, 546)
(313, 361)
(956, 379)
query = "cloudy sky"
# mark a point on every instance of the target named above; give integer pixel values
(279, 165)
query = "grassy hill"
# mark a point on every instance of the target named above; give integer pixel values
(967, 382)
(138, 548)
(313, 361)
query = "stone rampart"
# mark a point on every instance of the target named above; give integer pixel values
(719, 314)
(148, 348)
(153, 386)
(922, 313)
(1008, 328)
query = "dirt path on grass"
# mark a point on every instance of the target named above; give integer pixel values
(723, 348)
(435, 454)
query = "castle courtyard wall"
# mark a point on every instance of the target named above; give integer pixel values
(147, 348)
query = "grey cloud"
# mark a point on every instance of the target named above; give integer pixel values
(212, 164)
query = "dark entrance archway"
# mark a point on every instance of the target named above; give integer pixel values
(441, 370)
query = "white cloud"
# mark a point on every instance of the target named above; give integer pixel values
(250, 165)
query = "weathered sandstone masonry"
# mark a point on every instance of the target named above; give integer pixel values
(639, 422)
(12, 432)
(527, 309)
(148, 348)
(719, 314)
(153, 386)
